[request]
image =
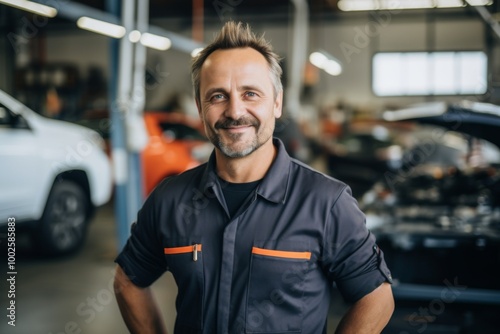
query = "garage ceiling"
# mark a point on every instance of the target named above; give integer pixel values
(184, 8)
(221, 10)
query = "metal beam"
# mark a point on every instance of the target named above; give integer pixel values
(73, 11)
(298, 56)
(489, 19)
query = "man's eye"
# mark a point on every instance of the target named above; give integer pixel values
(217, 97)
(251, 94)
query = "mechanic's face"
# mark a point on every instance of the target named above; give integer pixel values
(238, 106)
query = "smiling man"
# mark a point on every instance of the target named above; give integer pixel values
(255, 240)
(238, 109)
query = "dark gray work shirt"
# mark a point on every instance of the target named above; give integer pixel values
(267, 269)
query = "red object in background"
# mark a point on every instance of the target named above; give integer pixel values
(177, 142)
(173, 137)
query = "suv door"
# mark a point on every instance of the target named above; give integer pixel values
(18, 167)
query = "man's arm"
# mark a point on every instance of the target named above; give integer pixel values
(137, 306)
(370, 314)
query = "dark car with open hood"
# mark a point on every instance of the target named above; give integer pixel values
(437, 218)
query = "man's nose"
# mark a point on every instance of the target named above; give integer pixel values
(235, 108)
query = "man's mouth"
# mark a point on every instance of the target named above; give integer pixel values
(235, 125)
(237, 128)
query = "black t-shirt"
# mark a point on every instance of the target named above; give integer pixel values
(236, 194)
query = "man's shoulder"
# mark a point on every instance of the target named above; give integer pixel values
(187, 179)
(314, 179)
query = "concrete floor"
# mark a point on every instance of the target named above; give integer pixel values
(74, 294)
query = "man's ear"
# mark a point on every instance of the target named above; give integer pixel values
(278, 105)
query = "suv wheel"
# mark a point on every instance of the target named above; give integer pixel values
(64, 222)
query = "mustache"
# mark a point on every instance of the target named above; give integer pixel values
(230, 122)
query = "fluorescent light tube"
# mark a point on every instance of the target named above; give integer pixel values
(195, 52)
(333, 68)
(32, 7)
(326, 62)
(416, 4)
(479, 2)
(449, 3)
(134, 36)
(155, 41)
(366, 5)
(318, 59)
(101, 27)
(349, 5)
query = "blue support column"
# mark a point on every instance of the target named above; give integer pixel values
(119, 151)
(138, 139)
(136, 197)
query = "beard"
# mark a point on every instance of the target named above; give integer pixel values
(233, 145)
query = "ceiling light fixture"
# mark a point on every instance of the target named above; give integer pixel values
(134, 36)
(195, 52)
(326, 62)
(155, 41)
(450, 3)
(32, 7)
(479, 2)
(101, 27)
(364, 5)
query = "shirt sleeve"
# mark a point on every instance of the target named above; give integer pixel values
(351, 257)
(142, 258)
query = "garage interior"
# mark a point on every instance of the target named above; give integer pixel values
(399, 99)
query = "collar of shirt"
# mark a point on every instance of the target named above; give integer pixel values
(274, 185)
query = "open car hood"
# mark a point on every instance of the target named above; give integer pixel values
(481, 120)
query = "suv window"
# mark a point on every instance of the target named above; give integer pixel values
(10, 120)
(5, 117)
(180, 132)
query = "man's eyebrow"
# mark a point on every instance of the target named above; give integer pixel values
(211, 91)
(250, 87)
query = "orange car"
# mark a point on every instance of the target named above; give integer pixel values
(176, 143)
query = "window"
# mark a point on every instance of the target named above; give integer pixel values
(429, 73)
(181, 132)
(5, 117)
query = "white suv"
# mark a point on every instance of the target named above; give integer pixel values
(53, 175)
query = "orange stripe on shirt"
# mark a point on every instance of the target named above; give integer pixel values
(282, 254)
(181, 250)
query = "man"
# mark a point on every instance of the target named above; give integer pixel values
(254, 239)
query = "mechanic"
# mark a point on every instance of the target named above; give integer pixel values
(255, 240)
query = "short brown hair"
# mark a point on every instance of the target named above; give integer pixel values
(238, 35)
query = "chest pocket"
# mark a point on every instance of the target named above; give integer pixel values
(275, 290)
(185, 261)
